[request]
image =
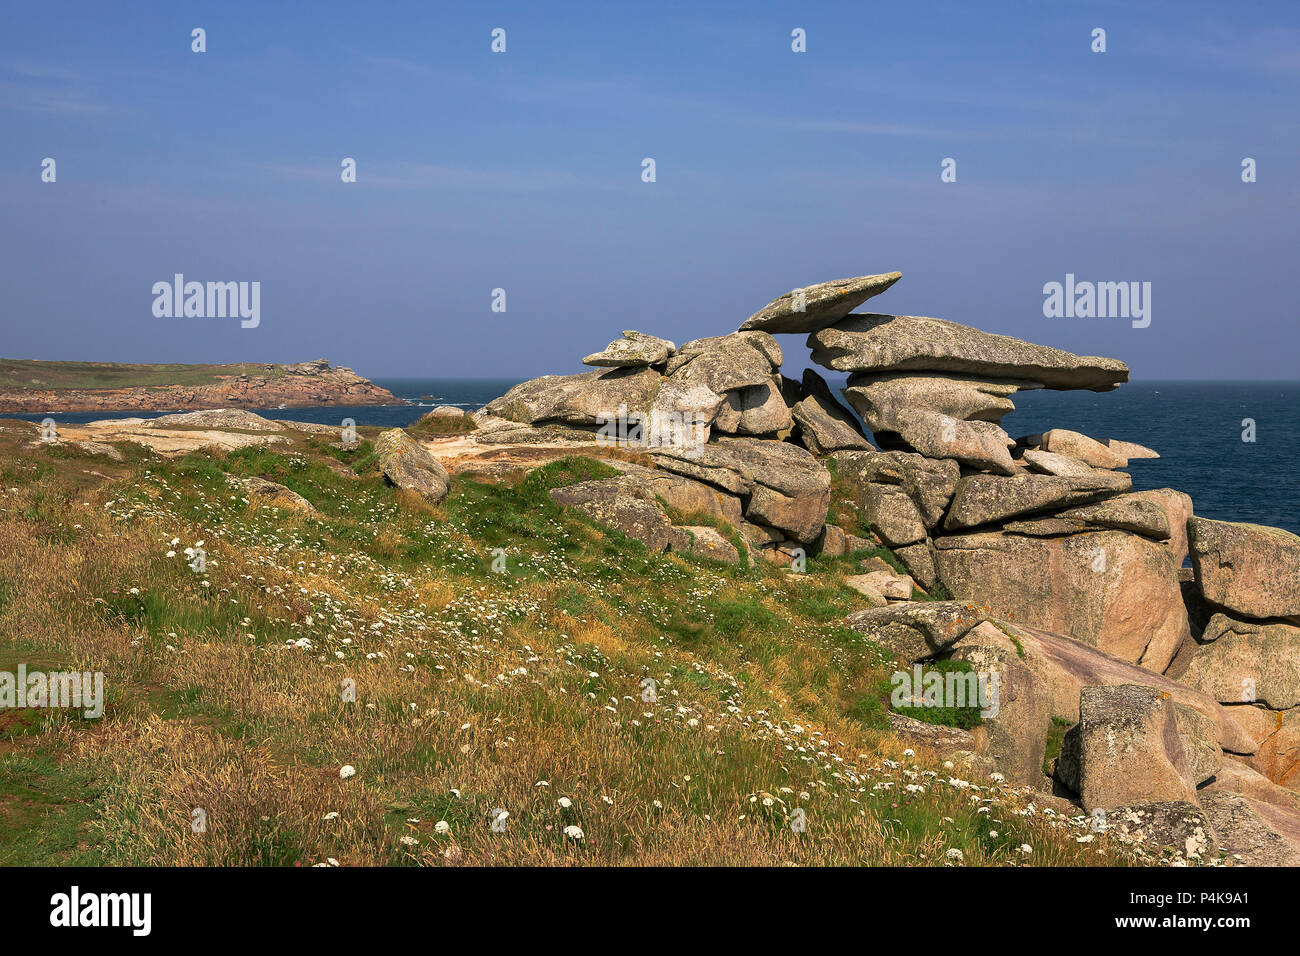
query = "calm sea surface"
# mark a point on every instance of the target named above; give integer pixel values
(1196, 426)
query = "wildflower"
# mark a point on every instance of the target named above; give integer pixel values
(955, 854)
(347, 770)
(564, 803)
(442, 826)
(409, 841)
(574, 832)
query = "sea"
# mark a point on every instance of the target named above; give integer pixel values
(1233, 446)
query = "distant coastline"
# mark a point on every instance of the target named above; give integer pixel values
(40, 387)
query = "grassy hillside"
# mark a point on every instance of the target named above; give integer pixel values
(476, 690)
(32, 374)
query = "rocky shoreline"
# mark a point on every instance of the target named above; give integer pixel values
(292, 386)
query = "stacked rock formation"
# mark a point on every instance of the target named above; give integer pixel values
(1181, 686)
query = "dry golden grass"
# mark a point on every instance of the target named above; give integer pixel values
(473, 691)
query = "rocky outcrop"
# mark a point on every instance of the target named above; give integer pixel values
(1069, 596)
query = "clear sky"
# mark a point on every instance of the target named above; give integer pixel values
(522, 170)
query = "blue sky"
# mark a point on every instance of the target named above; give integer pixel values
(522, 171)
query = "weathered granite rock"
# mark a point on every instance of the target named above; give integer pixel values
(985, 499)
(1129, 450)
(442, 411)
(1125, 749)
(1253, 832)
(726, 362)
(633, 350)
(1179, 825)
(1108, 589)
(1237, 776)
(1241, 661)
(957, 396)
(888, 583)
(707, 542)
(892, 514)
(1250, 569)
(754, 410)
(979, 444)
(859, 583)
(1199, 737)
(1055, 671)
(897, 343)
(237, 418)
(1048, 463)
(1062, 441)
(786, 487)
(1277, 754)
(588, 398)
(263, 492)
(816, 306)
(1177, 507)
(613, 504)
(405, 463)
(929, 482)
(1125, 513)
(825, 426)
(918, 559)
(833, 542)
(917, 630)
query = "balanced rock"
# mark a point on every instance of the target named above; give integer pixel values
(817, 306)
(406, 463)
(1250, 569)
(1130, 512)
(899, 343)
(633, 350)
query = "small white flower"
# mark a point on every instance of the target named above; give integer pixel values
(442, 826)
(1026, 848)
(347, 770)
(564, 802)
(955, 854)
(574, 832)
(409, 841)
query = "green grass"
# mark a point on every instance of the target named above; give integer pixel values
(24, 374)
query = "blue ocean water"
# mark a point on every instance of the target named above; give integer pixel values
(1196, 426)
